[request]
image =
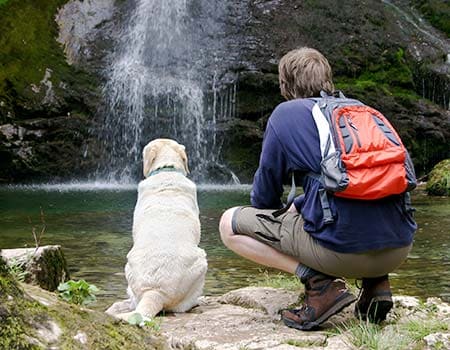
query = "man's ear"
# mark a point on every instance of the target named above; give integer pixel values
(148, 155)
(182, 152)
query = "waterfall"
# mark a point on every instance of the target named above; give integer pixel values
(168, 77)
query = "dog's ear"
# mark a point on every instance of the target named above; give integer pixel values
(182, 152)
(148, 155)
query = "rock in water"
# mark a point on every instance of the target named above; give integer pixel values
(44, 266)
(439, 179)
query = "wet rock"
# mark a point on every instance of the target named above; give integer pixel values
(376, 68)
(438, 341)
(43, 148)
(382, 52)
(441, 308)
(78, 23)
(406, 302)
(244, 319)
(270, 300)
(44, 266)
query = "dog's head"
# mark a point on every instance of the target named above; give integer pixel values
(161, 153)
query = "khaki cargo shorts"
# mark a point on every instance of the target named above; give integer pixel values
(285, 233)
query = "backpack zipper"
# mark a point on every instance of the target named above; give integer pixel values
(354, 130)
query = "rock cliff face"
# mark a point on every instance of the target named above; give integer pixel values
(46, 105)
(381, 52)
(53, 57)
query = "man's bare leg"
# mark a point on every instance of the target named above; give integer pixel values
(252, 249)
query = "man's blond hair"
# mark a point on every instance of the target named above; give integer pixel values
(304, 72)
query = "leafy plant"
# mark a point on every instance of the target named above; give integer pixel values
(17, 269)
(78, 292)
(139, 320)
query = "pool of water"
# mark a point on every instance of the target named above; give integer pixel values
(93, 225)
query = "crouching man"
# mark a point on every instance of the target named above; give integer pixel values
(366, 239)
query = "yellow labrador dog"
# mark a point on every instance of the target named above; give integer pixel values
(165, 267)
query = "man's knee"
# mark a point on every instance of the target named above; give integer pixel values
(225, 225)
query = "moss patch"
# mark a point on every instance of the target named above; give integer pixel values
(439, 179)
(21, 316)
(28, 53)
(437, 12)
(391, 74)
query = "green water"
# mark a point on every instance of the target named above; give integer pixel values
(94, 229)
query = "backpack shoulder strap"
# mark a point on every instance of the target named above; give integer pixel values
(323, 128)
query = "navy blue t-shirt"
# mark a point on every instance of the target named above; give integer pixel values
(291, 143)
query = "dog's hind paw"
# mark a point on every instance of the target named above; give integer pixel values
(120, 307)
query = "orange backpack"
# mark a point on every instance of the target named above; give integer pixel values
(363, 157)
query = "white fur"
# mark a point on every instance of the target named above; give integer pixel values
(165, 268)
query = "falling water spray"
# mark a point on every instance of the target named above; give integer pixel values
(168, 77)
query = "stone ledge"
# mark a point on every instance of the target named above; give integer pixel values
(248, 318)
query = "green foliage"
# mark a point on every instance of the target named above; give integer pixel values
(17, 269)
(78, 292)
(13, 330)
(2, 2)
(279, 280)
(439, 179)
(19, 316)
(419, 329)
(13, 335)
(366, 335)
(391, 74)
(408, 335)
(138, 320)
(28, 47)
(3, 266)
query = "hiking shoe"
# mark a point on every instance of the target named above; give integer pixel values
(325, 296)
(375, 299)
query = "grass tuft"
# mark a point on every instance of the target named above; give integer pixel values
(418, 329)
(279, 280)
(366, 335)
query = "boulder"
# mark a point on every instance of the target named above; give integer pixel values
(246, 318)
(269, 300)
(439, 179)
(32, 318)
(44, 266)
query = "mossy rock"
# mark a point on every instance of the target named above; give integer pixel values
(439, 179)
(437, 12)
(32, 318)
